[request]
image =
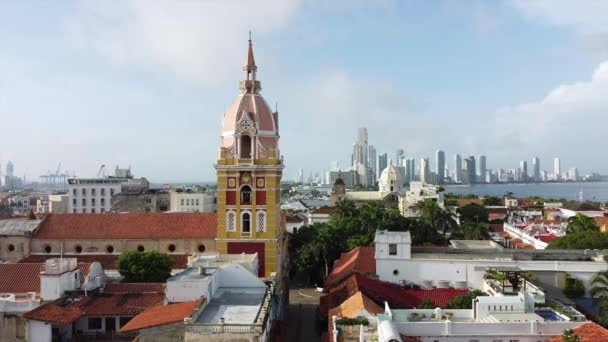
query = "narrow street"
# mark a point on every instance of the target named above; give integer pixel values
(303, 307)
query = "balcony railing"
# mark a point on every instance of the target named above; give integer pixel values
(203, 328)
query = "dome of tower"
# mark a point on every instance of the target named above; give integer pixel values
(390, 180)
(249, 114)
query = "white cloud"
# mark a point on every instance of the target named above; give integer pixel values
(586, 16)
(200, 39)
(570, 121)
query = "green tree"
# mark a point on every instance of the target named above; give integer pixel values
(465, 301)
(492, 200)
(446, 221)
(581, 240)
(345, 208)
(427, 303)
(599, 286)
(568, 336)
(580, 223)
(573, 287)
(474, 213)
(144, 267)
(429, 211)
(472, 231)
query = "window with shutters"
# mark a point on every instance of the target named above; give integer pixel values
(261, 222)
(231, 221)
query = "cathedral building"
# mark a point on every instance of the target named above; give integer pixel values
(249, 169)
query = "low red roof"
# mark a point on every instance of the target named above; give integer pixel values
(397, 296)
(547, 238)
(25, 277)
(107, 261)
(20, 278)
(128, 226)
(324, 210)
(360, 259)
(64, 311)
(589, 332)
(134, 288)
(161, 315)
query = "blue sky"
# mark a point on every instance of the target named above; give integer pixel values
(144, 83)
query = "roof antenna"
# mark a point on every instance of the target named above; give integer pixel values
(249, 35)
(276, 107)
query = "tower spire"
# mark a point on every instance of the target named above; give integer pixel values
(250, 84)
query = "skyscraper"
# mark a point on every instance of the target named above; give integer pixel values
(457, 168)
(372, 162)
(557, 169)
(382, 163)
(425, 171)
(471, 170)
(482, 170)
(359, 158)
(523, 165)
(410, 170)
(536, 169)
(399, 155)
(440, 166)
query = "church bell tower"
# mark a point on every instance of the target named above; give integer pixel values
(249, 169)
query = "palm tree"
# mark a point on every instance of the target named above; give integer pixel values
(345, 208)
(446, 220)
(429, 211)
(599, 286)
(580, 223)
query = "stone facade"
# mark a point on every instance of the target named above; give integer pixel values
(148, 202)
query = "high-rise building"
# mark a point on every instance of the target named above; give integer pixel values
(457, 168)
(440, 166)
(482, 170)
(248, 207)
(573, 174)
(471, 170)
(372, 163)
(359, 158)
(399, 156)
(536, 169)
(557, 169)
(382, 162)
(425, 171)
(523, 166)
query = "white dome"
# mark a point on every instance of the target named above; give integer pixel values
(390, 180)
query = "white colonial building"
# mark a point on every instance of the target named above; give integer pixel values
(195, 202)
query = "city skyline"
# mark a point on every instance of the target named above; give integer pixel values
(496, 94)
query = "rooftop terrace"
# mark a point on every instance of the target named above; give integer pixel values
(233, 305)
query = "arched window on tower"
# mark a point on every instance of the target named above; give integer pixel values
(246, 147)
(246, 223)
(246, 195)
(261, 221)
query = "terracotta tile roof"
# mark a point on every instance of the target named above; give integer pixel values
(324, 210)
(161, 315)
(600, 221)
(589, 332)
(25, 277)
(107, 261)
(581, 207)
(409, 339)
(547, 238)
(134, 288)
(464, 201)
(128, 226)
(397, 296)
(355, 304)
(20, 278)
(294, 219)
(360, 259)
(65, 310)
(350, 308)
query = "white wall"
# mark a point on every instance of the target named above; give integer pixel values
(418, 270)
(39, 331)
(238, 276)
(107, 197)
(188, 289)
(202, 202)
